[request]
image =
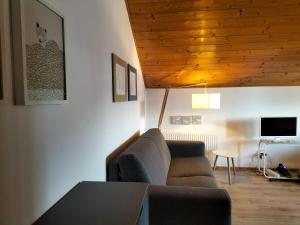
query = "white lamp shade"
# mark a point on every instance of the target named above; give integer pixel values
(214, 100)
(200, 101)
(206, 101)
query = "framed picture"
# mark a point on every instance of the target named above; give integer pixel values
(176, 120)
(186, 120)
(132, 83)
(120, 79)
(39, 53)
(197, 120)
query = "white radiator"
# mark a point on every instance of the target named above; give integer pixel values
(210, 141)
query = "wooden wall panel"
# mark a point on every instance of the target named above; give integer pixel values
(224, 43)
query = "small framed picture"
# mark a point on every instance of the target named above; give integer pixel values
(39, 53)
(132, 83)
(176, 120)
(119, 79)
(186, 120)
(197, 120)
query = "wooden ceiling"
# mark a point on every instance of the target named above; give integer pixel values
(224, 43)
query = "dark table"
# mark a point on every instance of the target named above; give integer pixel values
(100, 203)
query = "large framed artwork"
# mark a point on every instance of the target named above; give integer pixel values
(119, 79)
(132, 83)
(39, 53)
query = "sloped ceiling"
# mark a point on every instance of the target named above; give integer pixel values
(224, 43)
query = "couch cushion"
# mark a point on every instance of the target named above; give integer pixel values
(141, 162)
(190, 166)
(163, 150)
(113, 170)
(196, 181)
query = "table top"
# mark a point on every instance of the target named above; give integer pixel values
(226, 153)
(98, 203)
(279, 141)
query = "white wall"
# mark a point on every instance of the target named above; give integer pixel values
(236, 124)
(46, 150)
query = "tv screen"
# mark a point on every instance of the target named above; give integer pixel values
(278, 126)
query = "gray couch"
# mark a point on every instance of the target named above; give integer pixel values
(183, 189)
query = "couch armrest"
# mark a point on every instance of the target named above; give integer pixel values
(189, 205)
(186, 148)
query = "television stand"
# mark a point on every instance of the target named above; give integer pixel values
(261, 156)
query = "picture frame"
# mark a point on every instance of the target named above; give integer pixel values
(186, 120)
(119, 79)
(39, 53)
(197, 120)
(176, 120)
(132, 83)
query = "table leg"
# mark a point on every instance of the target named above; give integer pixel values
(232, 159)
(215, 163)
(228, 165)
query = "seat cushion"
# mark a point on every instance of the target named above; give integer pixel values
(196, 181)
(190, 166)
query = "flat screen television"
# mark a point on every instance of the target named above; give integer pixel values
(278, 126)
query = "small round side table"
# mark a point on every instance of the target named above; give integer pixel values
(229, 155)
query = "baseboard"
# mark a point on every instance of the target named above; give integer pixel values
(252, 169)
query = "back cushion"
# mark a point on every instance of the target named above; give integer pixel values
(141, 162)
(113, 170)
(156, 136)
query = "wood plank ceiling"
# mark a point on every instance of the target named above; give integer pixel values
(224, 43)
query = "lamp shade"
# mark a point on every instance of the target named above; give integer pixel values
(214, 100)
(200, 101)
(206, 101)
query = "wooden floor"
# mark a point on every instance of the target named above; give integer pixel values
(256, 201)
